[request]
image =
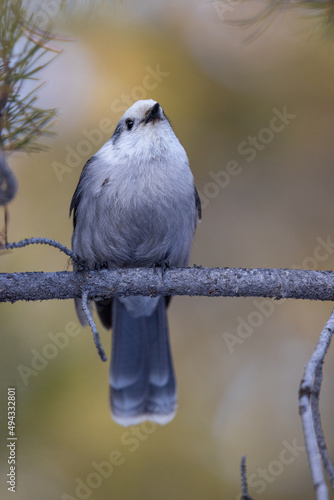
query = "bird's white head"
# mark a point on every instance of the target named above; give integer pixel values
(145, 119)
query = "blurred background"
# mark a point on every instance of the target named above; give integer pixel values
(252, 103)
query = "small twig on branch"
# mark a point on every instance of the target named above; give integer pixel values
(46, 241)
(91, 322)
(308, 394)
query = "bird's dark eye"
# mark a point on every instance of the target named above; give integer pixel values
(129, 124)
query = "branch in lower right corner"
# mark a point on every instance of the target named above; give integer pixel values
(309, 411)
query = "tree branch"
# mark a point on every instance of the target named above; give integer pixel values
(212, 282)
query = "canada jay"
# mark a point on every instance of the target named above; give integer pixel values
(135, 206)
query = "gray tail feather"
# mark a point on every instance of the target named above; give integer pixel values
(142, 382)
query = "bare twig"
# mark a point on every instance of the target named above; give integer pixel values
(308, 393)
(90, 320)
(46, 241)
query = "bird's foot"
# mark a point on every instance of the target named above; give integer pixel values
(163, 265)
(98, 266)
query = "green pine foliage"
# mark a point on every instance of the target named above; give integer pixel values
(24, 51)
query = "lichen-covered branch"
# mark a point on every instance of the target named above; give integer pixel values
(212, 282)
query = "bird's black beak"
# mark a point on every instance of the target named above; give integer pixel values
(153, 114)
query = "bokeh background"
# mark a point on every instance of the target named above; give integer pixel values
(221, 82)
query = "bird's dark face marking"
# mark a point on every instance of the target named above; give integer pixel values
(116, 133)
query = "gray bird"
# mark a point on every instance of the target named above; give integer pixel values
(135, 206)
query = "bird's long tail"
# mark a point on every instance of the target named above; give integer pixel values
(142, 382)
